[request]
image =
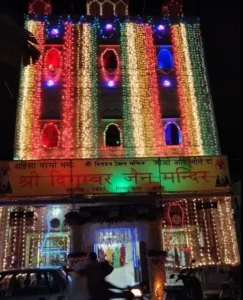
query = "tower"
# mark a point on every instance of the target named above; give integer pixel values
(107, 7)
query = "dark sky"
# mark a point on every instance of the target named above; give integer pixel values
(220, 23)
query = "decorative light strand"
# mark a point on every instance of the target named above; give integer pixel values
(87, 107)
(25, 106)
(102, 2)
(186, 92)
(127, 113)
(68, 96)
(204, 100)
(37, 99)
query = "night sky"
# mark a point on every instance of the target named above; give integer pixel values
(220, 24)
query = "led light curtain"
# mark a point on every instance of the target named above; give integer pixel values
(28, 111)
(68, 96)
(143, 134)
(198, 125)
(206, 112)
(87, 106)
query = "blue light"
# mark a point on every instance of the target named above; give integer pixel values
(50, 83)
(111, 83)
(54, 32)
(166, 83)
(161, 27)
(109, 27)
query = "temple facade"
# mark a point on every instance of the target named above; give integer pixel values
(116, 148)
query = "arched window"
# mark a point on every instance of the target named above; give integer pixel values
(53, 59)
(50, 136)
(172, 134)
(95, 8)
(109, 59)
(108, 9)
(112, 136)
(121, 9)
(165, 60)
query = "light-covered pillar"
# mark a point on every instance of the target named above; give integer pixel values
(156, 260)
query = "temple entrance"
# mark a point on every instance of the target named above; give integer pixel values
(119, 246)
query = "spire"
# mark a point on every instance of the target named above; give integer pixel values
(42, 7)
(107, 7)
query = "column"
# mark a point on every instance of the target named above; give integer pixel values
(76, 238)
(156, 260)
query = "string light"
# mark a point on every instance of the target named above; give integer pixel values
(186, 91)
(40, 7)
(87, 107)
(115, 5)
(68, 92)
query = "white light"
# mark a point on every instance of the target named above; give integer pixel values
(136, 292)
(56, 212)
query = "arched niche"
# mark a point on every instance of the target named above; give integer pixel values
(165, 60)
(109, 60)
(172, 134)
(107, 9)
(53, 59)
(112, 136)
(50, 136)
(121, 9)
(94, 8)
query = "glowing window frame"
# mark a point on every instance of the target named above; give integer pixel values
(58, 140)
(55, 76)
(104, 136)
(116, 71)
(179, 129)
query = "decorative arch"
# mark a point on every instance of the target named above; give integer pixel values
(165, 60)
(53, 63)
(94, 8)
(173, 135)
(108, 9)
(112, 136)
(121, 9)
(42, 7)
(50, 136)
(110, 59)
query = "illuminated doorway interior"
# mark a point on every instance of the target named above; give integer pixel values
(119, 246)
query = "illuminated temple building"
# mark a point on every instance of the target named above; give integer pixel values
(116, 148)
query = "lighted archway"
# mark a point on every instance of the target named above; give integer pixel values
(172, 134)
(50, 136)
(108, 9)
(94, 8)
(121, 8)
(112, 136)
(165, 60)
(53, 59)
(109, 60)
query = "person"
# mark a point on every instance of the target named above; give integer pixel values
(78, 289)
(99, 288)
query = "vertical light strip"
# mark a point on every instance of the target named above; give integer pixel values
(127, 113)
(135, 101)
(87, 106)
(68, 97)
(94, 90)
(38, 93)
(190, 122)
(204, 100)
(230, 231)
(153, 98)
(146, 126)
(25, 107)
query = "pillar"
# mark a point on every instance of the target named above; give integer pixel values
(76, 238)
(156, 260)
